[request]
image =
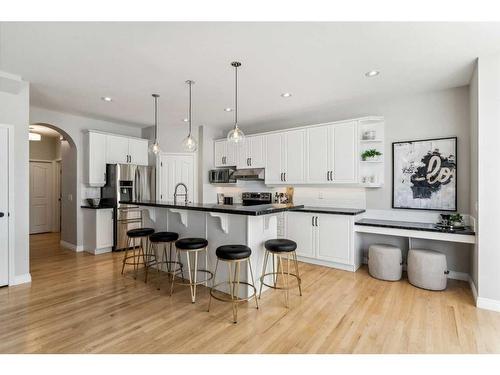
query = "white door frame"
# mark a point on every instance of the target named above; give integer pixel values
(11, 213)
(194, 156)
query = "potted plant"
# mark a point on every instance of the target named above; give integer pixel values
(371, 154)
(456, 220)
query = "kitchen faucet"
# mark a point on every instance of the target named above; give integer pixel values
(185, 195)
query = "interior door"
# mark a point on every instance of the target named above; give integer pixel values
(116, 149)
(334, 233)
(301, 230)
(41, 209)
(317, 160)
(4, 206)
(176, 168)
(138, 151)
(295, 156)
(345, 159)
(274, 159)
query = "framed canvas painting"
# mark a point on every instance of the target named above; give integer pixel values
(424, 174)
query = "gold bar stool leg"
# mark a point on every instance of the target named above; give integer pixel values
(264, 268)
(213, 284)
(188, 255)
(126, 254)
(173, 273)
(231, 289)
(280, 264)
(253, 281)
(299, 280)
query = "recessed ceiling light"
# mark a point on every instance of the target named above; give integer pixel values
(286, 95)
(228, 109)
(106, 99)
(185, 119)
(372, 73)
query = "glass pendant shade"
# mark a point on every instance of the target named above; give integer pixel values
(236, 135)
(189, 144)
(155, 148)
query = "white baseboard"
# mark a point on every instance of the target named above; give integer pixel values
(21, 279)
(71, 246)
(100, 251)
(488, 304)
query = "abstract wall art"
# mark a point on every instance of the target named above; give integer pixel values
(425, 174)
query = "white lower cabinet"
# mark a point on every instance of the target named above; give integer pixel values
(98, 230)
(323, 238)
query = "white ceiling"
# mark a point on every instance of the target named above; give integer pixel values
(72, 65)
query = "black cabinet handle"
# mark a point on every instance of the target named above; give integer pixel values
(316, 222)
(284, 176)
(312, 221)
(281, 176)
(250, 161)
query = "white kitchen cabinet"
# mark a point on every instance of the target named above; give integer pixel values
(319, 154)
(98, 230)
(96, 159)
(323, 238)
(125, 150)
(175, 168)
(345, 158)
(225, 153)
(274, 149)
(116, 149)
(334, 238)
(285, 157)
(250, 153)
(138, 151)
(300, 229)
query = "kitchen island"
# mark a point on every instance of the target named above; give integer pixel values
(220, 225)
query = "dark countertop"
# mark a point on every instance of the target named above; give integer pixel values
(330, 210)
(262, 209)
(428, 227)
(97, 207)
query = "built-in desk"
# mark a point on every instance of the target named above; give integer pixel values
(414, 230)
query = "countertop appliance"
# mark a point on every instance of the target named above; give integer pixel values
(221, 176)
(127, 182)
(254, 199)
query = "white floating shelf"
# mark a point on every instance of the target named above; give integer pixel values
(370, 185)
(371, 161)
(370, 140)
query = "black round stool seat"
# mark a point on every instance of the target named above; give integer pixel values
(233, 252)
(140, 232)
(191, 243)
(163, 237)
(280, 245)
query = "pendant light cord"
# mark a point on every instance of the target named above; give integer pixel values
(236, 96)
(190, 83)
(156, 115)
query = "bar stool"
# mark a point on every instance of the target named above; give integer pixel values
(142, 235)
(280, 248)
(234, 255)
(191, 247)
(163, 238)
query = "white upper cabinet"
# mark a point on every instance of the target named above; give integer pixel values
(96, 162)
(124, 150)
(319, 154)
(345, 159)
(250, 153)
(138, 151)
(274, 150)
(225, 153)
(116, 149)
(295, 152)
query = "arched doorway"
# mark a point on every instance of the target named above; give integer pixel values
(61, 161)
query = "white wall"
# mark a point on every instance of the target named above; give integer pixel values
(74, 127)
(14, 110)
(488, 181)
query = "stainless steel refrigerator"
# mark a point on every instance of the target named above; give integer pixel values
(127, 182)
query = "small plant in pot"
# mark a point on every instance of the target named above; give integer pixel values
(371, 154)
(456, 220)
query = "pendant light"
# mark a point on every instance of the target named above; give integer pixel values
(155, 147)
(236, 135)
(189, 143)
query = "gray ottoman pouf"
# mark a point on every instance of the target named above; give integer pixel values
(385, 262)
(427, 269)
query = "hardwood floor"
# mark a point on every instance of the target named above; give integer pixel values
(79, 303)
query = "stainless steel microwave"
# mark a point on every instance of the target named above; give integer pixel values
(221, 176)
